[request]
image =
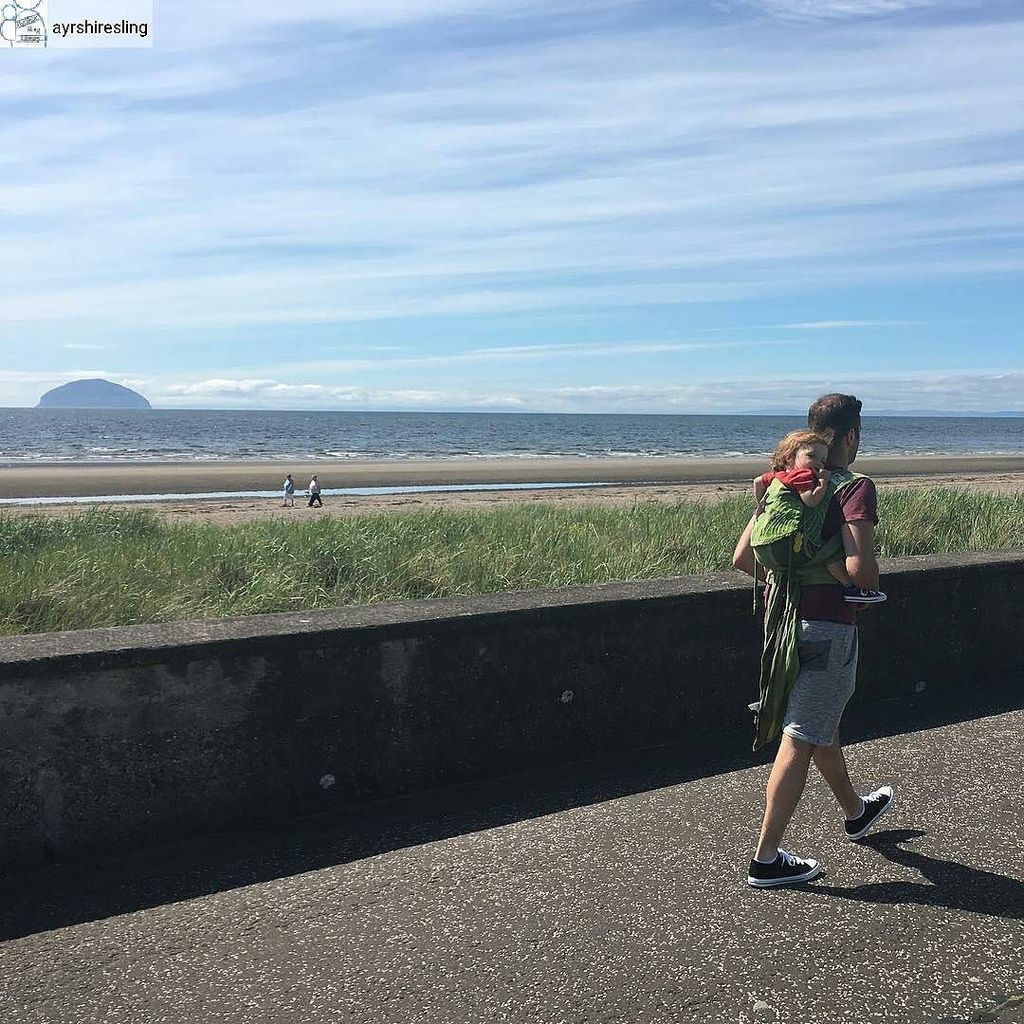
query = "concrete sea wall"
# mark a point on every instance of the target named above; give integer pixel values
(117, 738)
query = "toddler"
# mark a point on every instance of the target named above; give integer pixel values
(798, 463)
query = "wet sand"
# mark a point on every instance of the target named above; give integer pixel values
(75, 479)
(621, 480)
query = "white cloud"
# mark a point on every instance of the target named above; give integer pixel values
(431, 177)
(950, 391)
(326, 298)
(821, 10)
(511, 182)
(269, 19)
(551, 353)
(994, 391)
(266, 393)
(835, 325)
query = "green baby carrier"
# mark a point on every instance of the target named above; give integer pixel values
(786, 540)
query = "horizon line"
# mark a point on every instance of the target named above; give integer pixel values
(912, 413)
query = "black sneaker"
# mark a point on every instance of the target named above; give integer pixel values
(786, 869)
(858, 595)
(875, 805)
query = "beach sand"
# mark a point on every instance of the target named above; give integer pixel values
(621, 480)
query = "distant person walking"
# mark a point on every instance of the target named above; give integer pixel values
(289, 491)
(818, 638)
(314, 492)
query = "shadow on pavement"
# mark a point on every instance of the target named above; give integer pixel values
(75, 892)
(950, 884)
(71, 893)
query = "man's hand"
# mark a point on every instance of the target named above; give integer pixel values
(743, 555)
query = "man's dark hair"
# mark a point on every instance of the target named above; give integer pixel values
(838, 413)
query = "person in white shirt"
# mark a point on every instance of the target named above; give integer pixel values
(289, 491)
(314, 492)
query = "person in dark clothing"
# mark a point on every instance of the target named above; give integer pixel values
(314, 492)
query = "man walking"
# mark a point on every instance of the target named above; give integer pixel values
(827, 646)
(314, 492)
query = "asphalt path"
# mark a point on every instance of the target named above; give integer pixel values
(574, 907)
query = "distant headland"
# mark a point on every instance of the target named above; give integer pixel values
(93, 393)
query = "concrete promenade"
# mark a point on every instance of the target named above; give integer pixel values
(593, 897)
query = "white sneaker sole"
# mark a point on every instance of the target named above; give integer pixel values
(867, 600)
(874, 821)
(771, 883)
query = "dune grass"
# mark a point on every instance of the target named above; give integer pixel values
(104, 568)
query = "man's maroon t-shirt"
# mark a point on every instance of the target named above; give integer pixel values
(856, 502)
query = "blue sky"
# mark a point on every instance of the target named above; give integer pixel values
(595, 206)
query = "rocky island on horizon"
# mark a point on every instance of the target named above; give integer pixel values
(93, 393)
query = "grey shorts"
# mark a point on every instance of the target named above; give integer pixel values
(825, 682)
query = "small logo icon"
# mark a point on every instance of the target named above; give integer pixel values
(24, 23)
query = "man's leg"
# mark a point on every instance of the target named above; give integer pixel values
(785, 787)
(831, 762)
(861, 813)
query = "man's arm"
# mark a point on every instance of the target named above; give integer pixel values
(743, 556)
(859, 544)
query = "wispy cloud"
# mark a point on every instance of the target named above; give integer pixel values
(421, 174)
(268, 20)
(245, 391)
(822, 10)
(840, 325)
(604, 158)
(955, 392)
(952, 391)
(553, 353)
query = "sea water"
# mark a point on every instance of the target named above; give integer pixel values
(177, 435)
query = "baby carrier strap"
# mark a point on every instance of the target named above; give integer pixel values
(781, 516)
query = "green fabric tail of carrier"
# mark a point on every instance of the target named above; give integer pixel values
(794, 560)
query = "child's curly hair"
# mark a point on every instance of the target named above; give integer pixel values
(786, 449)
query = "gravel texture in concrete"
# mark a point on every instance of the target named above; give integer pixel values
(627, 909)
